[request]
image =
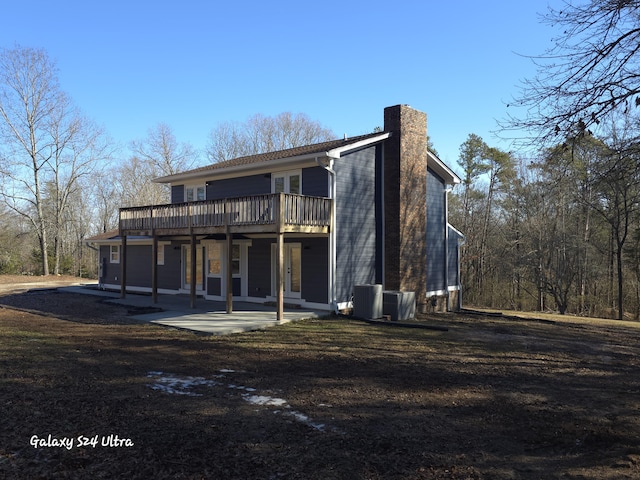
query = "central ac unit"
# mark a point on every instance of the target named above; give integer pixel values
(367, 301)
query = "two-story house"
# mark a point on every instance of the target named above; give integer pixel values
(298, 226)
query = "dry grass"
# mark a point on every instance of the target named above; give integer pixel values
(490, 398)
(567, 318)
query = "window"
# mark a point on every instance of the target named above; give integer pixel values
(195, 193)
(160, 255)
(294, 184)
(287, 182)
(235, 260)
(114, 253)
(214, 252)
(278, 183)
(214, 259)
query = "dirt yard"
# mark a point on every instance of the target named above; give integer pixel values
(86, 392)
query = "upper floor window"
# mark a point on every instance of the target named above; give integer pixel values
(287, 182)
(194, 193)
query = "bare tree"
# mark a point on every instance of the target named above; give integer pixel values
(159, 154)
(79, 145)
(617, 198)
(592, 70)
(29, 98)
(161, 150)
(261, 134)
(48, 146)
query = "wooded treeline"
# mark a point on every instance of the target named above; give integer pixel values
(565, 231)
(557, 232)
(556, 229)
(62, 179)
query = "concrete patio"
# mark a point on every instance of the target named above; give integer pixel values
(209, 317)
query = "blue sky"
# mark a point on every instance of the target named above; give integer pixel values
(192, 64)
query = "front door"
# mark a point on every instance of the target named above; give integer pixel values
(292, 270)
(186, 268)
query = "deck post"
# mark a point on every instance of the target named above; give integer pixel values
(154, 268)
(229, 272)
(280, 210)
(123, 266)
(192, 279)
(229, 262)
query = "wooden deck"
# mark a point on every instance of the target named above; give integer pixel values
(271, 213)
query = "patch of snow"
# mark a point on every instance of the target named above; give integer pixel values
(264, 400)
(226, 370)
(173, 384)
(241, 387)
(302, 418)
(179, 385)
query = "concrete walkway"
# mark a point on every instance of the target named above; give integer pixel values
(208, 317)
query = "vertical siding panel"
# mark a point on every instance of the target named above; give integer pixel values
(436, 225)
(315, 182)
(233, 187)
(177, 193)
(454, 239)
(315, 269)
(259, 259)
(355, 221)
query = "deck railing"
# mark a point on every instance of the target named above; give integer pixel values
(300, 210)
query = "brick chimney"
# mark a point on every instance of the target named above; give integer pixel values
(405, 191)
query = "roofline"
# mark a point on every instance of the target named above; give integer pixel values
(462, 239)
(117, 239)
(448, 175)
(225, 171)
(269, 165)
(337, 152)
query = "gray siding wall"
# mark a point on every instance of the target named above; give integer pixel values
(315, 182)
(454, 258)
(111, 270)
(315, 269)
(436, 227)
(357, 236)
(235, 187)
(260, 267)
(177, 193)
(139, 267)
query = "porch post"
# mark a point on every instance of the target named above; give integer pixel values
(280, 258)
(154, 268)
(123, 266)
(229, 262)
(229, 272)
(192, 280)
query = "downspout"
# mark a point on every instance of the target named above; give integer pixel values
(97, 250)
(333, 257)
(446, 245)
(460, 244)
